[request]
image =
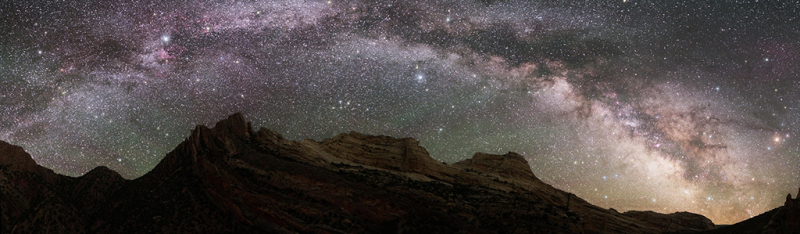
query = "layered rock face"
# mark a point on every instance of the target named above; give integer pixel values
(231, 178)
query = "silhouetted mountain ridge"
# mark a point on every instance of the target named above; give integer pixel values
(231, 178)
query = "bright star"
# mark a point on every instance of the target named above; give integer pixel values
(420, 78)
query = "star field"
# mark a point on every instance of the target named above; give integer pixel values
(636, 105)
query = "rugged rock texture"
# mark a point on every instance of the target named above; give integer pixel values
(233, 179)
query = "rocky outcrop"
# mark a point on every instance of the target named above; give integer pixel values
(781, 220)
(30, 195)
(787, 218)
(511, 165)
(674, 222)
(14, 158)
(231, 178)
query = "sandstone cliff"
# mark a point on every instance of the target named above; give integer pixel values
(231, 178)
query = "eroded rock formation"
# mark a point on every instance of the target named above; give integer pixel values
(231, 178)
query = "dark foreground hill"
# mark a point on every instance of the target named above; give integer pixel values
(784, 219)
(231, 179)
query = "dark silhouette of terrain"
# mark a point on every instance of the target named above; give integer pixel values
(784, 219)
(232, 179)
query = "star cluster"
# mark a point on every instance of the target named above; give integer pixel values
(637, 105)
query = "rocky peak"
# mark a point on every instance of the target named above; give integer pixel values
(102, 172)
(207, 144)
(792, 202)
(220, 138)
(16, 158)
(510, 165)
(95, 186)
(231, 179)
(234, 125)
(787, 218)
(792, 207)
(404, 154)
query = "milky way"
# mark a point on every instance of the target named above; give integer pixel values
(636, 105)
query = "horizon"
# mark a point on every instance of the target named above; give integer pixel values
(622, 210)
(421, 143)
(662, 106)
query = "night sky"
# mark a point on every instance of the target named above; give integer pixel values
(636, 105)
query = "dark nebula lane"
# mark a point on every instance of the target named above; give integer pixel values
(637, 105)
